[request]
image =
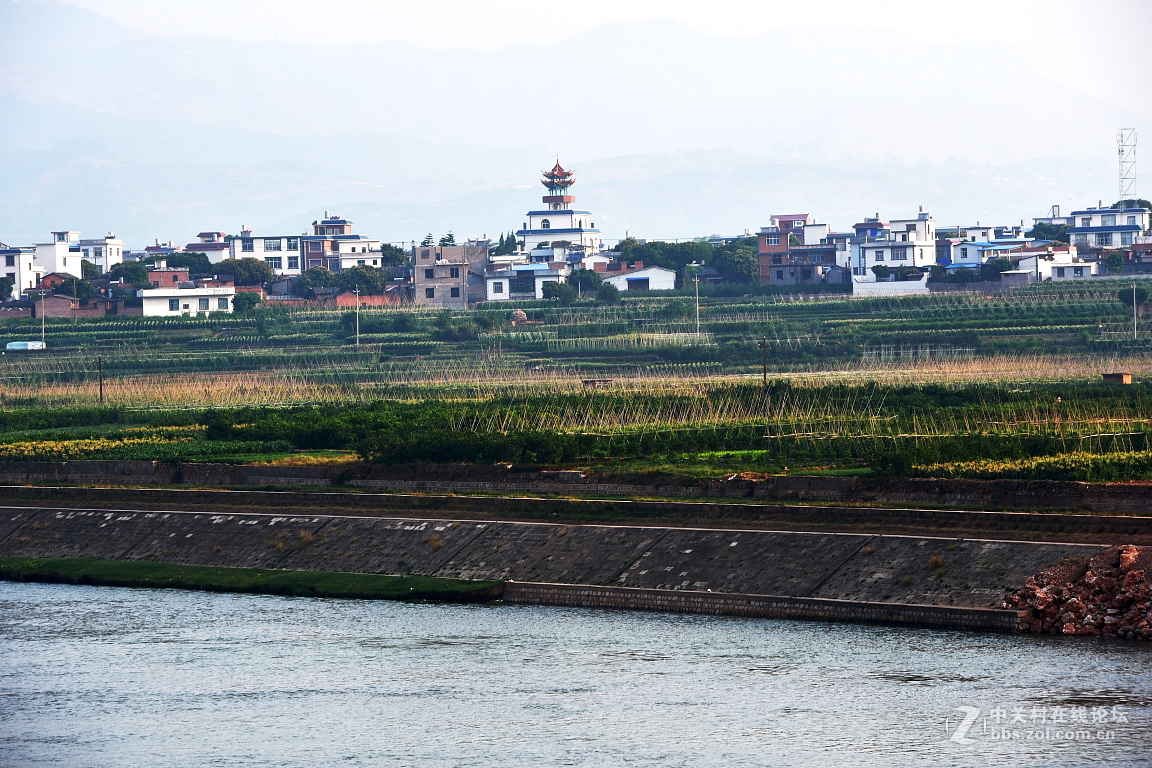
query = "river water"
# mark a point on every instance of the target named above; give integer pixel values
(93, 676)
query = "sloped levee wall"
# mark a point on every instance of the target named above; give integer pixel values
(849, 568)
(971, 494)
(771, 607)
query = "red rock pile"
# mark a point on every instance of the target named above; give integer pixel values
(1110, 594)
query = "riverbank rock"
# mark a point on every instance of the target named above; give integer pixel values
(1110, 594)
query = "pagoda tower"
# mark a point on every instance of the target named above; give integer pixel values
(560, 223)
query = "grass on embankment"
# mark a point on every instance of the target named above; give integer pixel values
(136, 573)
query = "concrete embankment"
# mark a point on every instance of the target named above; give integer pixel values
(1082, 528)
(846, 574)
(1113, 498)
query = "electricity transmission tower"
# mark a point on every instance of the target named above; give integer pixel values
(1126, 149)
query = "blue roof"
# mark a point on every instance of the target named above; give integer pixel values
(1103, 210)
(560, 212)
(1113, 228)
(554, 231)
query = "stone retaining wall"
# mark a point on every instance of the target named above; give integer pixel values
(970, 494)
(766, 606)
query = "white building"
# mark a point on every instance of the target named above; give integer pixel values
(646, 279)
(105, 252)
(1109, 227)
(559, 223)
(331, 245)
(1056, 262)
(522, 281)
(908, 243)
(21, 268)
(175, 301)
(66, 250)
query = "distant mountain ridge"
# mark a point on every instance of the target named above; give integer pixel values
(164, 137)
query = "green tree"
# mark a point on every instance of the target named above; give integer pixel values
(81, 289)
(1055, 232)
(608, 294)
(195, 263)
(370, 280)
(585, 280)
(563, 293)
(311, 280)
(626, 245)
(738, 265)
(881, 271)
(246, 271)
(245, 303)
(88, 270)
(130, 272)
(1132, 202)
(1115, 262)
(1125, 296)
(448, 239)
(676, 309)
(390, 255)
(429, 239)
(6, 284)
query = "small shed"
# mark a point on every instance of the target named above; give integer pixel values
(1116, 378)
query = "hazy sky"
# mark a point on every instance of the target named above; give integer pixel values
(1072, 40)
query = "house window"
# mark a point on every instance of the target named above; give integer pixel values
(221, 303)
(272, 243)
(779, 274)
(1086, 222)
(1108, 220)
(293, 262)
(429, 274)
(9, 261)
(293, 243)
(175, 278)
(173, 305)
(97, 253)
(545, 224)
(899, 254)
(247, 244)
(1131, 221)
(455, 293)
(879, 256)
(1126, 238)
(429, 293)
(841, 245)
(771, 239)
(497, 287)
(424, 253)
(315, 246)
(777, 259)
(637, 283)
(275, 262)
(1059, 271)
(1077, 271)
(315, 263)
(1081, 239)
(359, 262)
(11, 276)
(185, 306)
(806, 273)
(1103, 239)
(60, 237)
(455, 272)
(202, 305)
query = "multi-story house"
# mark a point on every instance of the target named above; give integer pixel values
(522, 281)
(214, 245)
(450, 276)
(1096, 228)
(909, 243)
(331, 245)
(21, 268)
(773, 242)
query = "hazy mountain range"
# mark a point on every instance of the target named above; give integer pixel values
(673, 133)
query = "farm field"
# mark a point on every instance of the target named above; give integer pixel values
(952, 385)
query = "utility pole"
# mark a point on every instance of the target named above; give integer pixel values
(764, 350)
(100, 369)
(356, 290)
(696, 279)
(1133, 309)
(43, 308)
